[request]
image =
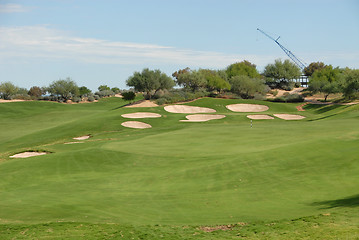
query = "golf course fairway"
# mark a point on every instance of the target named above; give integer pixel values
(253, 179)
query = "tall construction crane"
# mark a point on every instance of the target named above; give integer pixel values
(289, 53)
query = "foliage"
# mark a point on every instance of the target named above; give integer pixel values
(36, 92)
(289, 98)
(64, 88)
(90, 98)
(84, 91)
(311, 68)
(180, 95)
(128, 96)
(351, 84)
(281, 73)
(247, 87)
(215, 80)
(190, 79)
(116, 90)
(150, 80)
(326, 80)
(7, 89)
(105, 93)
(242, 68)
(103, 88)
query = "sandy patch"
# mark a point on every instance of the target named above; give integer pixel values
(28, 154)
(15, 100)
(141, 115)
(136, 124)
(259, 117)
(146, 103)
(118, 95)
(188, 109)
(289, 116)
(72, 142)
(241, 107)
(202, 117)
(82, 137)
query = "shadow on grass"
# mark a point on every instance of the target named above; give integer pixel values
(319, 109)
(352, 201)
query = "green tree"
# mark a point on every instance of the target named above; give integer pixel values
(311, 68)
(190, 79)
(7, 89)
(242, 68)
(351, 84)
(150, 81)
(103, 88)
(282, 73)
(326, 80)
(36, 92)
(84, 91)
(115, 90)
(247, 87)
(65, 88)
(215, 80)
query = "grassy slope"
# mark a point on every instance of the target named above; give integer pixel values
(220, 172)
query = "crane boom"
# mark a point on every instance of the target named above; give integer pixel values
(289, 53)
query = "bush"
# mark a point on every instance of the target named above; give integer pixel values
(128, 96)
(105, 93)
(289, 98)
(97, 97)
(297, 84)
(76, 99)
(90, 98)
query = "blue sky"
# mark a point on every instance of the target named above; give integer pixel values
(103, 42)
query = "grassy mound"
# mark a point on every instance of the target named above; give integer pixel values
(176, 179)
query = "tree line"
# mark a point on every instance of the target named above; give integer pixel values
(238, 80)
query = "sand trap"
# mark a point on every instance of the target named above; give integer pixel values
(135, 124)
(241, 107)
(141, 115)
(289, 116)
(146, 103)
(202, 117)
(259, 117)
(82, 137)
(72, 142)
(28, 154)
(188, 109)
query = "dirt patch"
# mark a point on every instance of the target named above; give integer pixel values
(281, 92)
(188, 109)
(15, 100)
(82, 137)
(202, 117)
(289, 116)
(259, 117)
(146, 103)
(72, 142)
(300, 107)
(241, 107)
(141, 115)
(28, 154)
(136, 124)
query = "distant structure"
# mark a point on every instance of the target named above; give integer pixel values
(303, 79)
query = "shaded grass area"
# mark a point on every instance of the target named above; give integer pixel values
(339, 225)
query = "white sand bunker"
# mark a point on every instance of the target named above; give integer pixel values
(141, 115)
(241, 107)
(28, 154)
(289, 116)
(72, 142)
(259, 117)
(188, 109)
(202, 117)
(82, 137)
(136, 124)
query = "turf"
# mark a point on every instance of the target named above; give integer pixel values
(176, 177)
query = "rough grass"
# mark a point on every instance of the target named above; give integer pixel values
(178, 180)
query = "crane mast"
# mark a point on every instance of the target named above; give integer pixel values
(289, 53)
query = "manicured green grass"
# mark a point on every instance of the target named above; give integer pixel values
(176, 177)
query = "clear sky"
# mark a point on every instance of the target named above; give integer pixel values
(103, 42)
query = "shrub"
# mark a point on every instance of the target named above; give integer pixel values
(97, 97)
(76, 99)
(105, 93)
(90, 98)
(289, 98)
(297, 84)
(128, 96)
